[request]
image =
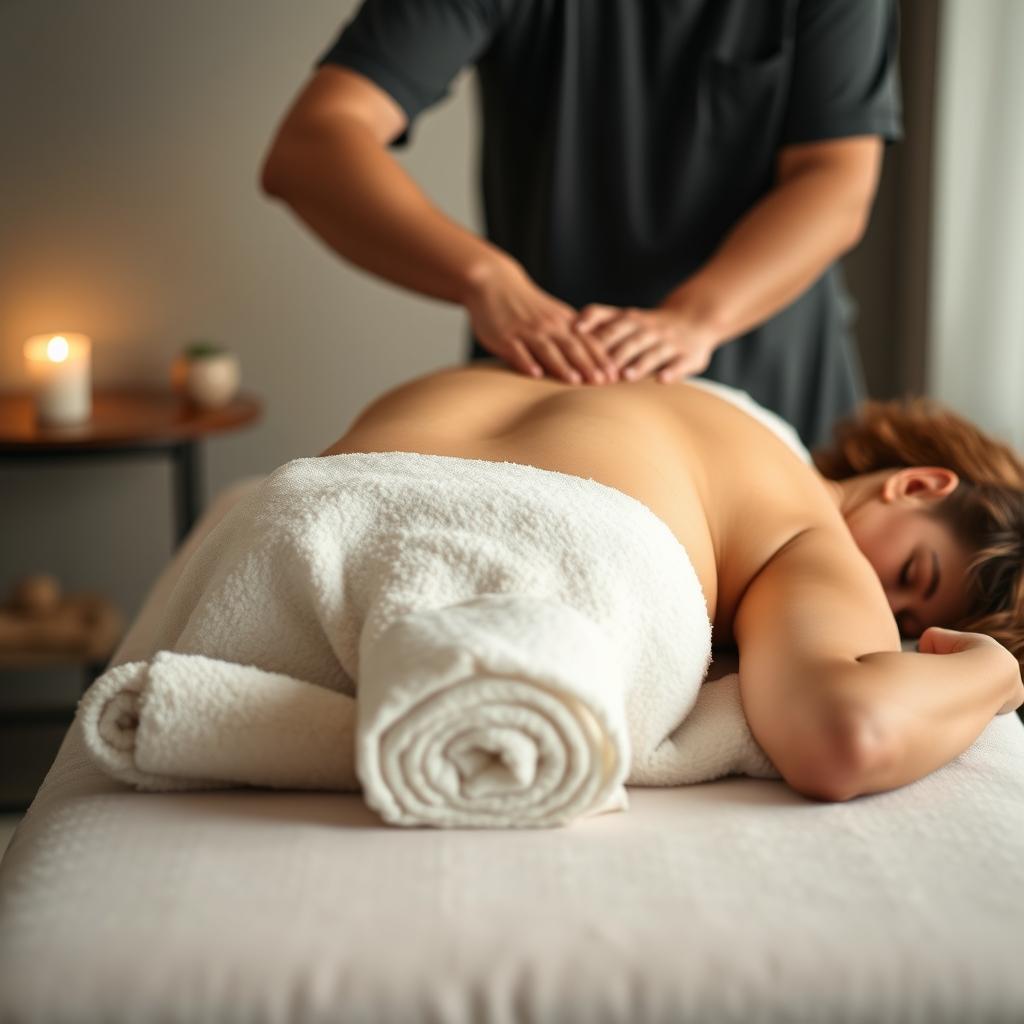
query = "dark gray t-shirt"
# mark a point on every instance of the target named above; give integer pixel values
(622, 140)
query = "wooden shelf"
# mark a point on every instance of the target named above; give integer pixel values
(51, 659)
(121, 419)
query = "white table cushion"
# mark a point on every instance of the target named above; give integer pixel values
(737, 900)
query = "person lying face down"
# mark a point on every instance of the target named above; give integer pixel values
(937, 508)
(913, 520)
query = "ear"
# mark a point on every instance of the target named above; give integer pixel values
(920, 484)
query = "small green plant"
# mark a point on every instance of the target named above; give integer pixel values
(203, 349)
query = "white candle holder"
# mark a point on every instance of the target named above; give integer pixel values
(59, 369)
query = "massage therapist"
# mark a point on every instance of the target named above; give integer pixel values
(667, 184)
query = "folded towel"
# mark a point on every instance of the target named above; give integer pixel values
(519, 643)
(184, 721)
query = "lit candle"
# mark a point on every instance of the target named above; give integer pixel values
(58, 366)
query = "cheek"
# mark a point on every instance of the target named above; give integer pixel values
(881, 560)
(879, 541)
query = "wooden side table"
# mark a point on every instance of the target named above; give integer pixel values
(128, 424)
(125, 423)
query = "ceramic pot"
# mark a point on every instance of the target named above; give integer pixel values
(212, 381)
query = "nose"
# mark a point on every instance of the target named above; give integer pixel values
(899, 602)
(898, 599)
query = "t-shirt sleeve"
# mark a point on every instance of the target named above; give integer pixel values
(845, 77)
(413, 49)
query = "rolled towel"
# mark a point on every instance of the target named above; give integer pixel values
(501, 711)
(190, 722)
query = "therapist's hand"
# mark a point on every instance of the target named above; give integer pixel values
(660, 342)
(531, 330)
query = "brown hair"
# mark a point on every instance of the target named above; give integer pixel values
(985, 512)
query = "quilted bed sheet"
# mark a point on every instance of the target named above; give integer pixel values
(736, 900)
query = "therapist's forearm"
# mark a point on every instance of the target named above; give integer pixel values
(782, 245)
(341, 181)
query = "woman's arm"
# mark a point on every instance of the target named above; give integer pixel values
(828, 694)
(934, 704)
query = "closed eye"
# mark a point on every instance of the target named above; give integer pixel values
(906, 572)
(933, 586)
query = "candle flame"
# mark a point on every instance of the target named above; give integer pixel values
(57, 349)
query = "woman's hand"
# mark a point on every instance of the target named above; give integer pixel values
(988, 652)
(531, 330)
(642, 342)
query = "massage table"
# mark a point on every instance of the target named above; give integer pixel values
(734, 900)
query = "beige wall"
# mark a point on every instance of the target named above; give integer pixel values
(133, 133)
(129, 209)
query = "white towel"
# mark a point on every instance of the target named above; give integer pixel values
(184, 721)
(518, 643)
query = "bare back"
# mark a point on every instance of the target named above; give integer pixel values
(730, 490)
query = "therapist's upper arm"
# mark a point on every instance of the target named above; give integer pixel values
(332, 96)
(335, 91)
(854, 164)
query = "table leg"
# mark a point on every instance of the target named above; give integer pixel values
(91, 671)
(188, 486)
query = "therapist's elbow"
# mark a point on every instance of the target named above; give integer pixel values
(858, 217)
(274, 176)
(849, 222)
(292, 157)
